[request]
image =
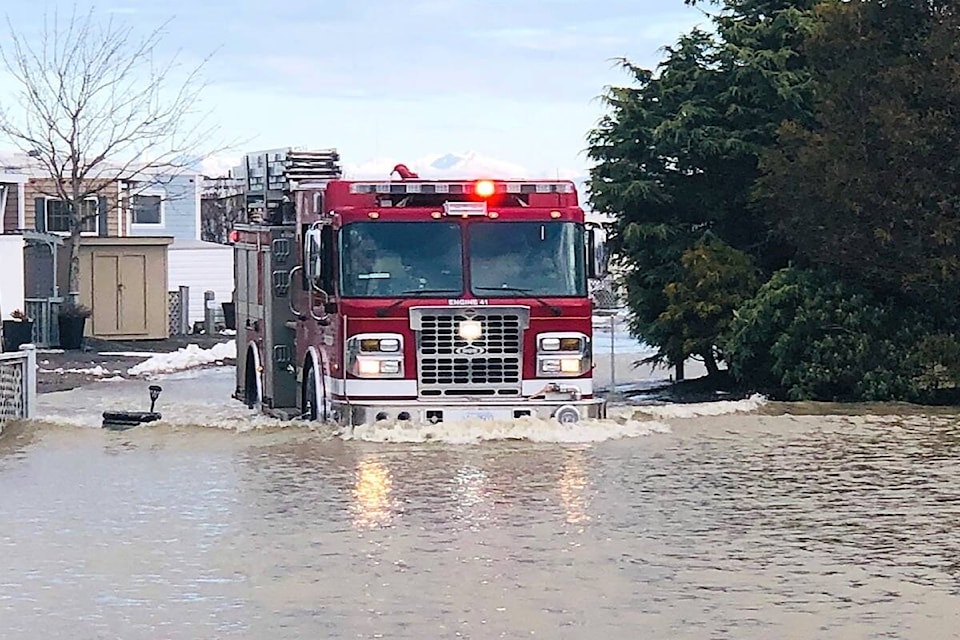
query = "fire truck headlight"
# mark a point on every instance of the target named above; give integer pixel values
(563, 366)
(375, 355)
(575, 342)
(368, 367)
(374, 367)
(470, 330)
(390, 345)
(563, 354)
(389, 366)
(550, 344)
(378, 344)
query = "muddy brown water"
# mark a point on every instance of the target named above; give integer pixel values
(781, 522)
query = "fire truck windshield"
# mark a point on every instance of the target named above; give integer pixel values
(399, 259)
(527, 258)
(414, 259)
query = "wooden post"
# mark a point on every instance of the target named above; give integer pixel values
(184, 320)
(29, 380)
(209, 312)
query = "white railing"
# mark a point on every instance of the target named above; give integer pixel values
(18, 384)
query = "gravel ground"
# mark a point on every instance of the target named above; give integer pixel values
(54, 365)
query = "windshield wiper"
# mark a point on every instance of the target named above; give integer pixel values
(553, 309)
(383, 311)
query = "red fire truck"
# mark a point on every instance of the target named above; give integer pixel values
(412, 299)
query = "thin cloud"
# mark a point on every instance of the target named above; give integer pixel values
(377, 78)
(551, 39)
(432, 166)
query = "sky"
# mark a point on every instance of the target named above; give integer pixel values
(510, 85)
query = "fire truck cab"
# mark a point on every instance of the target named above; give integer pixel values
(411, 299)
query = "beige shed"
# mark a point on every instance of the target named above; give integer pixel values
(124, 282)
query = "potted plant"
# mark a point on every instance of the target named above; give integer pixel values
(72, 319)
(17, 331)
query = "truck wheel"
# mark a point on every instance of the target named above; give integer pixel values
(251, 392)
(312, 397)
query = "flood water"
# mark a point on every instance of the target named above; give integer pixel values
(713, 521)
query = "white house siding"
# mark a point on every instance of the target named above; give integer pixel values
(202, 266)
(11, 275)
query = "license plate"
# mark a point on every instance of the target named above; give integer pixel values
(478, 415)
(486, 415)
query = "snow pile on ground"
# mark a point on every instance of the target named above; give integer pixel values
(188, 357)
(96, 371)
(126, 354)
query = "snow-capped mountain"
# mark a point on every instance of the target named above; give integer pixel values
(468, 164)
(438, 166)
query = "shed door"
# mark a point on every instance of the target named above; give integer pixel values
(133, 294)
(120, 293)
(106, 293)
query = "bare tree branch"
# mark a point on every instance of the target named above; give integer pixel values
(95, 107)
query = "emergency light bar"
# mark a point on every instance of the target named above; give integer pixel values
(459, 188)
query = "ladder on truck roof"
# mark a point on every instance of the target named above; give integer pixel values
(270, 176)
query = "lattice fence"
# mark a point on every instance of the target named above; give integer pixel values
(18, 385)
(174, 310)
(178, 307)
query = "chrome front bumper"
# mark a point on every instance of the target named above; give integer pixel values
(355, 412)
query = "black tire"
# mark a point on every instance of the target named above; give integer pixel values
(251, 394)
(310, 409)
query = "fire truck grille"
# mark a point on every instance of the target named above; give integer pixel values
(488, 366)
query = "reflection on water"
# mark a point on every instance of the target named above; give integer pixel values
(572, 486)
(770, 525)
(371, 505)
(472, 497)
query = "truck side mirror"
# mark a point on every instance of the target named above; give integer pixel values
(597, 258)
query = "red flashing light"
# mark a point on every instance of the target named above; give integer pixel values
(484, 188)
(234, 236)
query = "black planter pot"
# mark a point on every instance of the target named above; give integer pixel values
(229, 315)
(16, 333)
(71, 332)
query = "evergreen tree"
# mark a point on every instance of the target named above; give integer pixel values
(871, 186)
(677, 158)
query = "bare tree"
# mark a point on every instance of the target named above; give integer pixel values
(95, 107)
(222, 206)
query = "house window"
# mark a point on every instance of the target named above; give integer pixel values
(147, 209)
(58, 216)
